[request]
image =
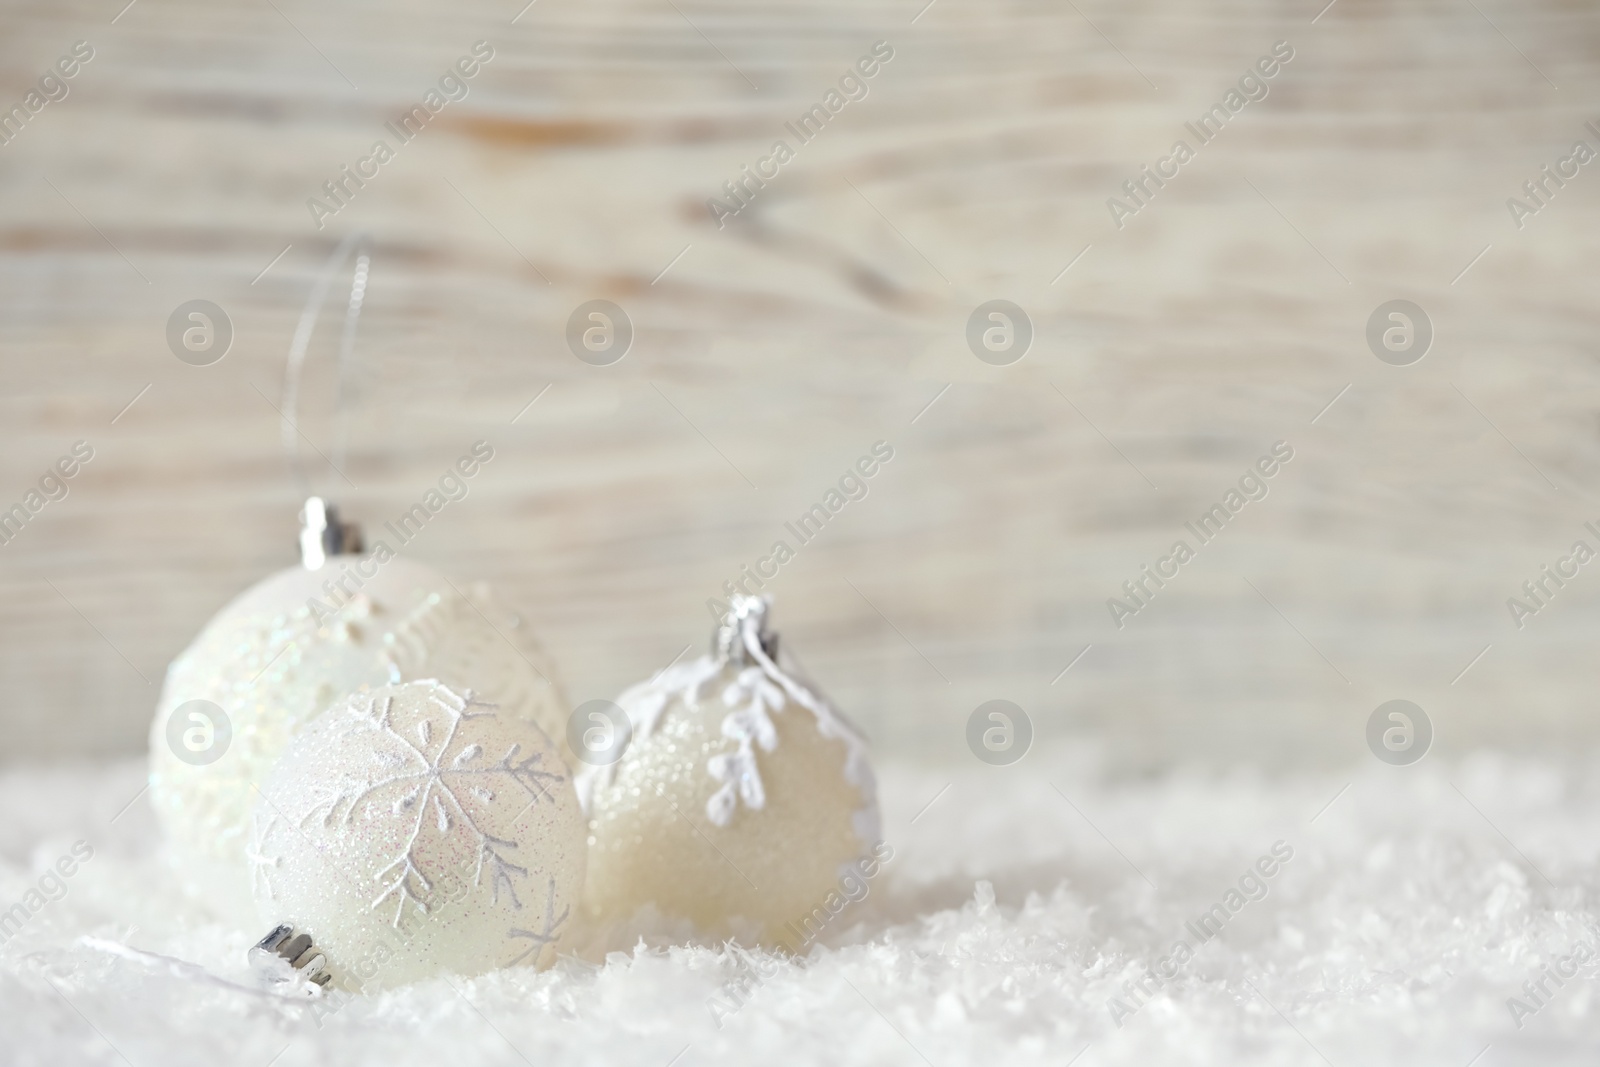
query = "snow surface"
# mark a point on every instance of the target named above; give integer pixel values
(1020, 906)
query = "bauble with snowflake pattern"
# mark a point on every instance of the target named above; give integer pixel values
(414, 830)
(291, 646)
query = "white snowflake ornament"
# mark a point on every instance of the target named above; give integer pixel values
(290, 647)
(741, 796)
(413, 830)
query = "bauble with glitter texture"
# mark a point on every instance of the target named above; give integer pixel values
(739, 800)
(292, 646)
(413, 830)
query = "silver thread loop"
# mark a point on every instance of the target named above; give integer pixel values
(322, 535)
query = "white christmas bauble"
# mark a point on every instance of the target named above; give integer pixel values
(287, 649)
(413, 830)
(738, 802)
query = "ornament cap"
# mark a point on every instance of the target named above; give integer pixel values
(322, 534)
(746, 618)
(283, 951)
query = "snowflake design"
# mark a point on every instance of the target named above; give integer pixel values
(552, 928)
(429, 785)
(753, 696)
(255, 853)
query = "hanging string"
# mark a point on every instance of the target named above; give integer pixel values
(322, 534)
(359, 245)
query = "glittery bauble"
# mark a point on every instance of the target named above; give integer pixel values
(738, 802)
(291, 646)
(412, 830)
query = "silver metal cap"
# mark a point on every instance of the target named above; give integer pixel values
(322, 535)
(283, 952)
(746, 614)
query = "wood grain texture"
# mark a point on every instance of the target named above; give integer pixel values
(1222, 318)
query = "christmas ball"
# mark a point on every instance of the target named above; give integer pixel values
(286, 650)
(413, 830)
(741, 800)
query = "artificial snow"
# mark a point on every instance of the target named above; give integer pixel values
(1029, 915)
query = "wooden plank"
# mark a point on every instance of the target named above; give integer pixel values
(825, 316)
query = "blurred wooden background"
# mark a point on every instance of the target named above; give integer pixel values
(1224, 317)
